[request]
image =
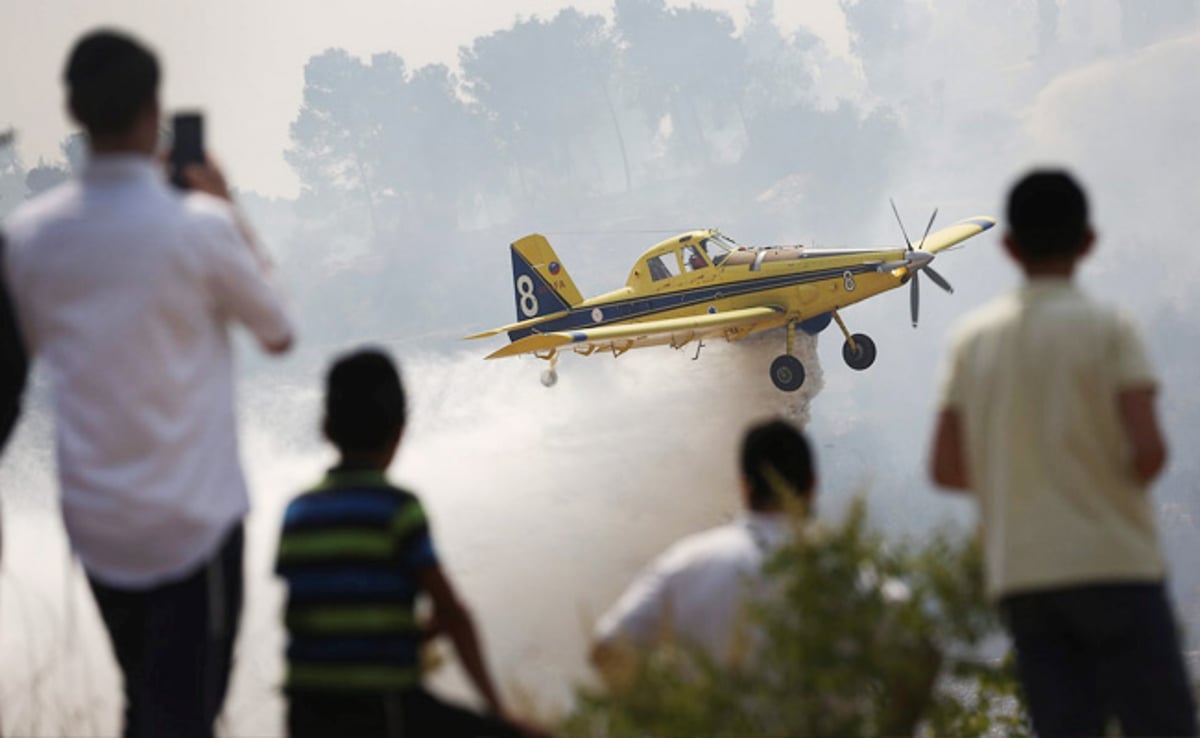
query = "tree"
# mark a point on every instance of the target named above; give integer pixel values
(778, 74)
(404, 147)
(12, 174)
(337, 129)
(859, 636)
(688, 69)
(44, 177)
(543, 86)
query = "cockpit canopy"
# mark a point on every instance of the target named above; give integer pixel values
(688, 253)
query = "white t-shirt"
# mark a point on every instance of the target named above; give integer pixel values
(1034, 377)
(124, 288)
(697, 590)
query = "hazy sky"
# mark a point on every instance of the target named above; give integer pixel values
(242, 61)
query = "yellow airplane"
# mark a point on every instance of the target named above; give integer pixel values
(702, 284)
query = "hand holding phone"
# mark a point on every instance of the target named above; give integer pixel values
(187, 145)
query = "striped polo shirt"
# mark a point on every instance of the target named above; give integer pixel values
(350, 552)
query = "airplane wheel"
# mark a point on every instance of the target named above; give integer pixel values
(787, 373)
(549, 378)
(864, 357)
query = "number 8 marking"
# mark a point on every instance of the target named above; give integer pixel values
(528, 300)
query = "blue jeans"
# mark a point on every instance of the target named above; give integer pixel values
(174, 644)
(1092, 653)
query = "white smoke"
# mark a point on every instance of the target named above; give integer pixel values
(544, 503)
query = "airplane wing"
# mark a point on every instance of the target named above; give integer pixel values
(732, 325)
(957, 233)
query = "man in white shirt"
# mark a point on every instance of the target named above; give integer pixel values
(696, 592)
(124, 289)
(1048, 418)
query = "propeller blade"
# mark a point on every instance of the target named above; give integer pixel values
(914, 297)
(927, 228)
(897, 213)
(938, 279)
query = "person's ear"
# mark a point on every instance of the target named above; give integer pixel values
(1010, 247)
(1089, 241)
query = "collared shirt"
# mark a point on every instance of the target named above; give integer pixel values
(352, 551)
(697, 590)
(124, 289)
(1035, 378)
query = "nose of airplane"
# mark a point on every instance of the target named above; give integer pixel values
(917, 259)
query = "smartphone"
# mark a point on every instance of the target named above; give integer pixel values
(187, 145)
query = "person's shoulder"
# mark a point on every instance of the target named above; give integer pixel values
(1093, 318)
(30, 218)
(1104, 312)
(998, 311)
(988, 319)
(410, 511)
(383, 496)
(208, 213)
(703, 546)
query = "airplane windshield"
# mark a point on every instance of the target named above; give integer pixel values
(717, 247)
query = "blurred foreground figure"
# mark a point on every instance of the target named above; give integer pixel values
(356, 553)
(1048, 418)
(124, 289)
(696, 592)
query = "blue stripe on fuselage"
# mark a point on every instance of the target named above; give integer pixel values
(646, 305)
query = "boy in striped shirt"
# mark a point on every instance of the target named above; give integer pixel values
(356, 553)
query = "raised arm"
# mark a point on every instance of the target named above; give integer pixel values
(240, 268)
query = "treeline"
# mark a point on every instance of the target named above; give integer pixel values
(656, 118)
(652, 117)
(552, 114)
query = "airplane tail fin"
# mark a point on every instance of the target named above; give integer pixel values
(540, 281)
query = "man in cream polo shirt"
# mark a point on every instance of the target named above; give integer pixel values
(1048, 418)
(124, 289)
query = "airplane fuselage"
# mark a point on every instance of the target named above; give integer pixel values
(803, 284)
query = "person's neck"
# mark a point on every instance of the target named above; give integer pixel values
(1050, 269)
(364, 461)
(129, 144)
(777, 511)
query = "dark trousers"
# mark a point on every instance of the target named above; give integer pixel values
(410, 714)
(1089, 654)
(174, 643)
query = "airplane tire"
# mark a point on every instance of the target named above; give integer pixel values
(864, 357)
(787, 373)
(549, 378)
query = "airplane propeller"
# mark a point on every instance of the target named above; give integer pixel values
(917, 263)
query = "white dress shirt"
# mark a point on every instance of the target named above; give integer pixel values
(124, 289)
(697, 590)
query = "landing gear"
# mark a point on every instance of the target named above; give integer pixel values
(550, 376)
(859, 349)
(787, 373)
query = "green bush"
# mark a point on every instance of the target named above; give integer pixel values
(859, 636)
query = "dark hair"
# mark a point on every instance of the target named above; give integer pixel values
(776, 455)
(364, 401)
(110, 78)
(1047, 215)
